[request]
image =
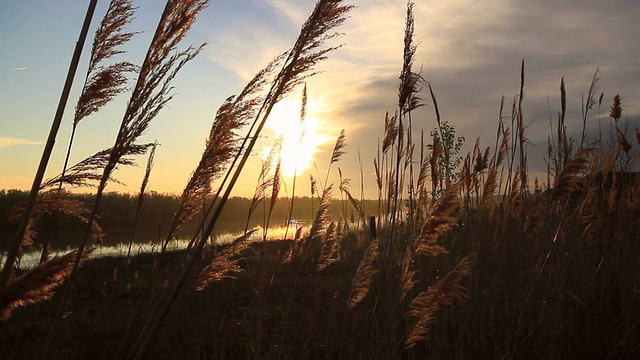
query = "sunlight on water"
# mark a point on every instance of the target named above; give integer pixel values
(31, 258)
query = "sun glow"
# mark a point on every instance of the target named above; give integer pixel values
(300, 141)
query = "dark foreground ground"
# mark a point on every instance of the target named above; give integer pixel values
(296, 312)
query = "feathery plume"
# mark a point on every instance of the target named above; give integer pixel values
(424, 170)
(363, 279)
(443, 293)
(337, 152)
(86, 173)
(102, 83)
(153, 87)
(465, 175)
(276, 181)
(318, 225)
(569, 179)
(378, 172)
(264, 181)
(147, 174)
(616, 108)
(38, 284)
(438, 221)
(504, 146)
(490, 184)
(613, 197)
(409, 80)
(220, 147)
(622, 141)
(591, 101)
(408, 274)
(295, 246)
(109, 35)
(339, 146)
(303, 108)
(390, 131)
(50, 202)
(436, 157)
(307, 51)
(225, 263)
(330, 247)
(30, 232)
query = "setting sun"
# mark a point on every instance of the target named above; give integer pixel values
(300, 141)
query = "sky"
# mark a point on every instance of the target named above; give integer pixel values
(469, 51)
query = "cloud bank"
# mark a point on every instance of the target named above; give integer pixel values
(470, 52)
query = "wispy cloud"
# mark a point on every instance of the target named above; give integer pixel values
(292, 9)
(469, 51)
(8, 141)
(247, 49)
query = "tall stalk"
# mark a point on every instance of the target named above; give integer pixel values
(7, 271)
(303, 114)
(305, 54)
(407, 101)
(103, 83)
(141, 195)
(151, 93)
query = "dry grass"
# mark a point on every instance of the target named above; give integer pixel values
(224, 264)
(363, 279)
(443, 293)
(37, 284)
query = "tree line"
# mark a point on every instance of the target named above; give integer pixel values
(118, 210)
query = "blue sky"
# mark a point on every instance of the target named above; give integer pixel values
(470, 51)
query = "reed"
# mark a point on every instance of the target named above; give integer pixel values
(338, 151)
(37, 284)
(305, 54)
(141, 196)
(483, 261)
(104, 82)
(224, 264)
(303, 114)
(8, 269)
(442, 293)
(265, 179)
(363, 279)
(150, 94)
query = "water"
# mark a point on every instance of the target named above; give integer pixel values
(31, 258)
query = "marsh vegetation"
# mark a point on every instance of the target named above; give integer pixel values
(459, 256)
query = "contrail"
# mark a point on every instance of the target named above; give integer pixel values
(19, 68)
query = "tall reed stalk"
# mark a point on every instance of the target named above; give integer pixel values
(152, 89)
(104, 82)
(150, 94)
(141, 196)
(7, 271)
(303, 114)
(305, 54)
